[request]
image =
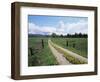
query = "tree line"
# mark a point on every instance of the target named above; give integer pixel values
(54, 35)
(76, 35)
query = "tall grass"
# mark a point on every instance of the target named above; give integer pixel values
(43, 57)
(81, 45)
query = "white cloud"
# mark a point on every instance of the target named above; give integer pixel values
(62, 28)
(35, 29)
(72, 28)
(81, 26)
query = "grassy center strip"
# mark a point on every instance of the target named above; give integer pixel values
(70, 58)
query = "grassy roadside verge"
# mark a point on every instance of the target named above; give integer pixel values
(42, 57)
(70, 58)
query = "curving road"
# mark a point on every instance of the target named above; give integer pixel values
(59, 57)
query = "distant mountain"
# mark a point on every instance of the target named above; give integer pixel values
(36, 35)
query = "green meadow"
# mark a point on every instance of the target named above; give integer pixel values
(41, 54)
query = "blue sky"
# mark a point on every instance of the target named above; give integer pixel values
(57, 24)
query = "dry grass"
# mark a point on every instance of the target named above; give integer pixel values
(70, 58)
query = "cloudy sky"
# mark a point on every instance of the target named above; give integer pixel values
(46, 25)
